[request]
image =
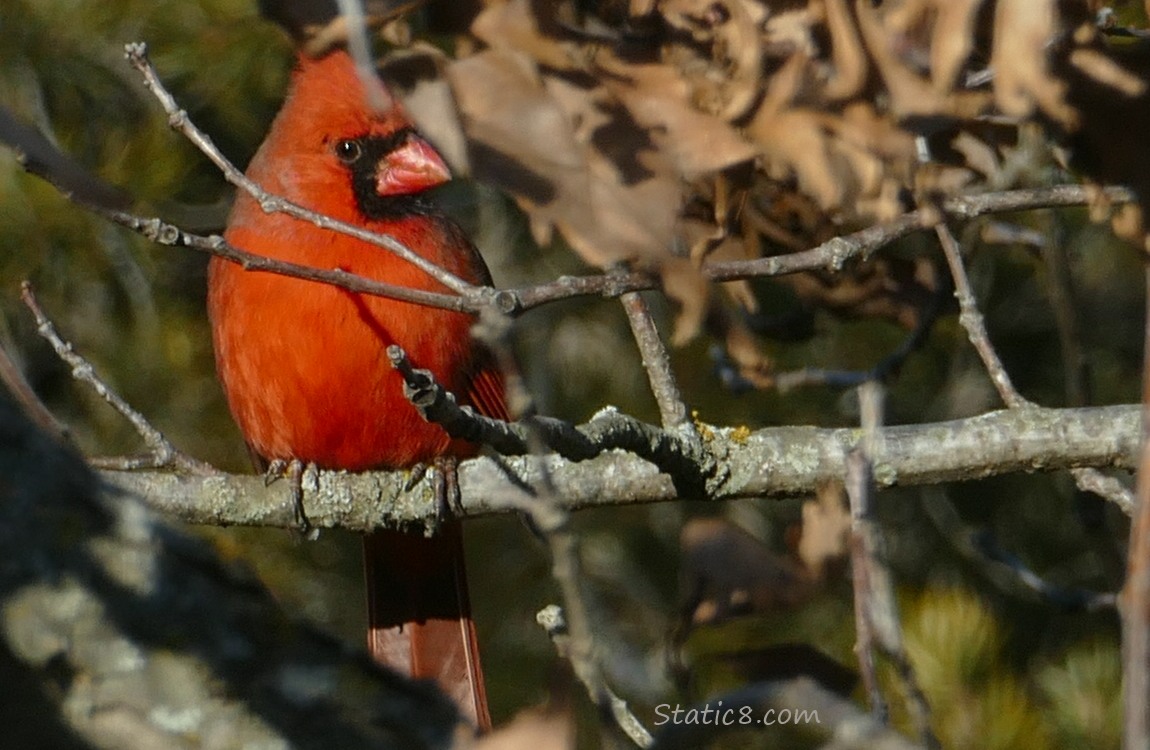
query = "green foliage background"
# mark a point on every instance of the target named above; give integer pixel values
(1002, 669)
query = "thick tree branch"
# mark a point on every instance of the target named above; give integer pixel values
(777, 461)
(149, 640)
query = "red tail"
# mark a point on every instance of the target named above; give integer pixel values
(419, 615)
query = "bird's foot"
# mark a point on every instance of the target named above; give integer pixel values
(294, 471)
(449, 500)
(276, 470)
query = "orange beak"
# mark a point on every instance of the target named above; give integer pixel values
(413, 167)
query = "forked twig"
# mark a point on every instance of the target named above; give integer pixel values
(1087, 479)
(163, 453)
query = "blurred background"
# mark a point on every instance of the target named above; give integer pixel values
(1002, 666)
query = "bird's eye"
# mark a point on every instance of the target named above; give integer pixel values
(348, 151)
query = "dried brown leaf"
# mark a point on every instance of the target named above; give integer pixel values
(850, 61)
(743, 347)
(659, 100)
(952, 41)
(513, 25)
(825, 532)
(417, 76)
(683, 283)
(731, 28)
(521, 140)
(727, 572)
(1107, 72)
(1023, 82)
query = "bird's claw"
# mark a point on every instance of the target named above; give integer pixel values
(415, 475)
(446, 480)
(276, 470)
(294, 471)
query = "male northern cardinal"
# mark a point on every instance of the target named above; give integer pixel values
(303, 363)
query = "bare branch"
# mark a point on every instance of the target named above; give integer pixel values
(360, 49)
(773, 462)
(832, 254)
(163, 233)
(1135, 598)
(542, 501)
(551, 619)
(971, 319)
(681, 458)
(866, 569)
(39, 156)
(164, 454)
(876, 609)
(165, 642)
(1108, 488)
(657, 363)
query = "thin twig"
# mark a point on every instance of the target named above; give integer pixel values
(1106, 487)
(1060, 286)
(1005, 570)
(551, 517)
(971, 319)
(1087, 479)
(137, 55)
(359, 47)
(1064, 304)
(163, 233)
(831, 255)
(583, 650)
(733, 380)
(875, 605)
(1135, 596)
(552, 620)
(1074, 599)
(672, 410)
(858, 486)
(43, 159)
(165, 454)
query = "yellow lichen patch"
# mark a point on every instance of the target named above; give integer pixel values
(705, 431)
(741, 434)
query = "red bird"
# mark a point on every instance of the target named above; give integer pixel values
(304, 365)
